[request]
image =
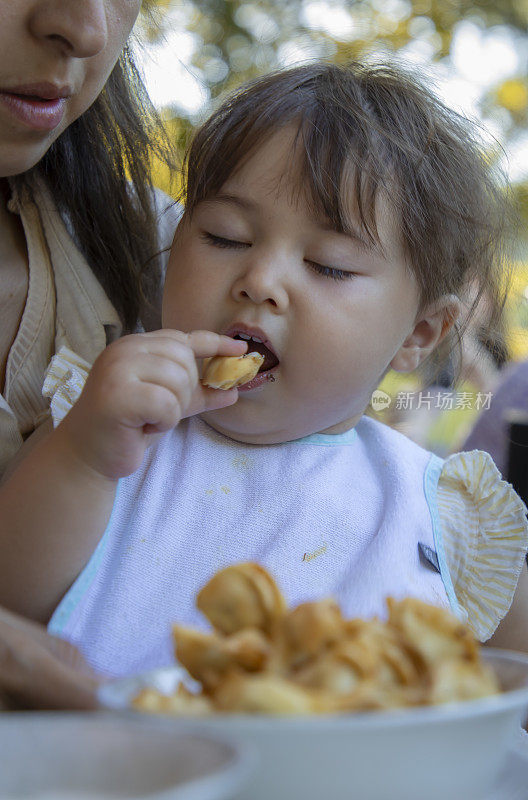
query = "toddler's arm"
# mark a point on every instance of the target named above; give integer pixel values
(512, 633)
(55, 505)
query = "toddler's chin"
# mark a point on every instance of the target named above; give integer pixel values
(237, 425)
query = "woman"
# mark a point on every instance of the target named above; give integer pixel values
(77, 217)
(80, 230)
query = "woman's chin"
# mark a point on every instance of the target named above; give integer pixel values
(18, 158)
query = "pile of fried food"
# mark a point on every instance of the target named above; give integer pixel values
(264, 658)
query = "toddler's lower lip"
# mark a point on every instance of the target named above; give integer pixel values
(36, 113)
(259, 380)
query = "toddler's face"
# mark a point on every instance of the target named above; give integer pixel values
(253, 260)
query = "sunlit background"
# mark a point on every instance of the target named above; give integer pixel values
(475, 54)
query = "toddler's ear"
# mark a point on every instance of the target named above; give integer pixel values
(431, 325)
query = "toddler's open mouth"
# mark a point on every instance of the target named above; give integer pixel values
(257, 345)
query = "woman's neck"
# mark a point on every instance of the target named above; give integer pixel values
(12, 239)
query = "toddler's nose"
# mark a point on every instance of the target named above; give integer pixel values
(262, 284)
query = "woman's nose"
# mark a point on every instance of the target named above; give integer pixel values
(262, 283)
(78, 27)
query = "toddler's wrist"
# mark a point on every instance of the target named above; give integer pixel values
(79, 464)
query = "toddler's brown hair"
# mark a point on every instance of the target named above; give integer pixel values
(366, 129)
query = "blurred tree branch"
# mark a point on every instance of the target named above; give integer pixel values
(237, 40)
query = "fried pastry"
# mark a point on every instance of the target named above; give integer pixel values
(461, 680)
(226, 372)
(311, 628)
(181, 703)
(263, 694)
(262, 658)
(376, 646)
(433, 633)
(331, 673)
(241, 596)
(208, 656)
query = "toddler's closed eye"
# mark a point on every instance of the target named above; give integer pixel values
(330, 272)
(221, 241)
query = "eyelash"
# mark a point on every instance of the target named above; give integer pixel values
(328, 272)
(219, 241)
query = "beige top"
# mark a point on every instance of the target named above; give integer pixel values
(66, 306)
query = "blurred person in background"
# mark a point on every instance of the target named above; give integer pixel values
(491, 430)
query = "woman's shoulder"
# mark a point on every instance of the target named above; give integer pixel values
(484, 536)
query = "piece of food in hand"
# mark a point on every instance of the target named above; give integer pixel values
(226, 372)
(241, 596)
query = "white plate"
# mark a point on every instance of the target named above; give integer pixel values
(84, 756)
(513, 780)
(449, 752)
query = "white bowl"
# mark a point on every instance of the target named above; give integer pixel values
(84, 756)
(449, 752)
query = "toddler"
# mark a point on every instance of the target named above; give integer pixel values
(334, 219)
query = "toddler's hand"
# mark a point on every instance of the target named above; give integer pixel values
(142, 385)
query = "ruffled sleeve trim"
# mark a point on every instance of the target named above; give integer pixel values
(485, 537)
(64, 381)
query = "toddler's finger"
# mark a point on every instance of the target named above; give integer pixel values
(206, 344)
(203, 343)
(149, 404)
(205, 399)
(178, 374)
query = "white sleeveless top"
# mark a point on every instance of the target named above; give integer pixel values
(339, 516)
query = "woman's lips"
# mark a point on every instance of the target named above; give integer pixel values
(37, 113)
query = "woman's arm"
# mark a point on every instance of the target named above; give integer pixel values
(40, 671)
(55, 505)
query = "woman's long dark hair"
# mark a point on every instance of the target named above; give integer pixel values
(99, 175)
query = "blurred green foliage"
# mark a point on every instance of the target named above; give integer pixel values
(236, 40)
